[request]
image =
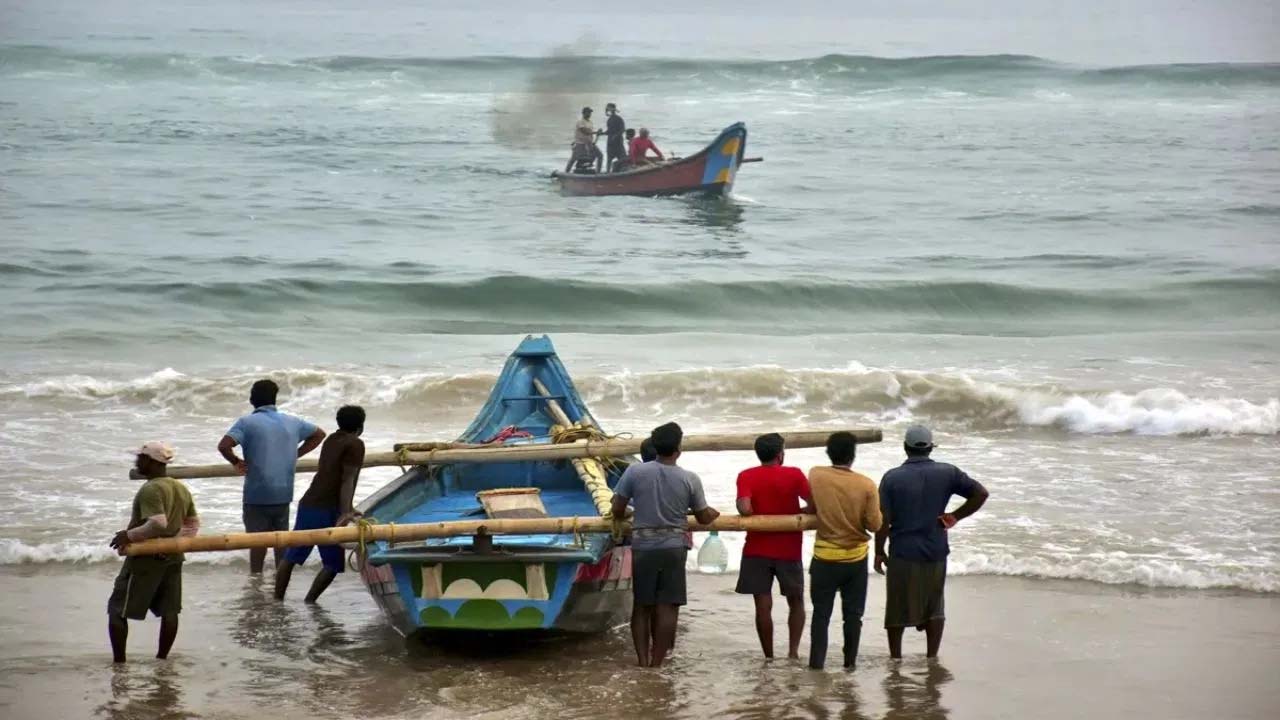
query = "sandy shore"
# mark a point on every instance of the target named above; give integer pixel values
(1015, 648)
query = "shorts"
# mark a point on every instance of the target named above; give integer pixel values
(658, 576)
(914, 592)
(146, 584)
(309, 518)
(615, 148)
(266, 518)
(756, 575)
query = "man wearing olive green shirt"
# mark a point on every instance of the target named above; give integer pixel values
(162, 508)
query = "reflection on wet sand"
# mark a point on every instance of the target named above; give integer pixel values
(916, 694)
(141, 691)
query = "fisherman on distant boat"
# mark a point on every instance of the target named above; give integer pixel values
(162, 508)
(270, 440)
(640, 148)
(328, 502)
(615, 126)
(663, 494)
(584, 153)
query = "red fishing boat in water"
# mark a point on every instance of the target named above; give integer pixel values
(709, 172)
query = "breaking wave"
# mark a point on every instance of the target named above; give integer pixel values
(832, 70)
(758, 394)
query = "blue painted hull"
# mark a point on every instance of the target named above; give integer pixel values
(527, 582)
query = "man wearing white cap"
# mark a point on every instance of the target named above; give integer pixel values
(913, 501)
(162, 508)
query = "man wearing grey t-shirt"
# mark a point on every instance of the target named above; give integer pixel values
(662, 494)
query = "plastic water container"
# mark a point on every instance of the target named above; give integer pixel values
(713, 556)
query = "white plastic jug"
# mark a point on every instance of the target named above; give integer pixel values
(713, 556)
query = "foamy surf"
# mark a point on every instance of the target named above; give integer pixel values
(763, 394)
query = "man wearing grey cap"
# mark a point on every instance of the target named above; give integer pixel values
(913, 500)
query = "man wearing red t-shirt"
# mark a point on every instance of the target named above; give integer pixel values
(772, 489)
(640, 148)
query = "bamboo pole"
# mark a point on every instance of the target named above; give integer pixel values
(615, 447)
(590, 470)
(454, 528)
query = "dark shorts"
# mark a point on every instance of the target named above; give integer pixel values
(309, 518)
(266, 518)
(658, 576)
(146, 584)
(756, 575)
(914, 592)
(615, 147)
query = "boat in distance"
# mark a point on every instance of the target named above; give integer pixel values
(710, 171)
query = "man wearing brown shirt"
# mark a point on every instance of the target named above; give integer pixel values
(848, 509)
(328, 502)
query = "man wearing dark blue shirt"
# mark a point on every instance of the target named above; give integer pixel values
(913, 500)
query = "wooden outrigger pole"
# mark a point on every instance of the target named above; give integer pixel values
(407, 455)
(421, 531)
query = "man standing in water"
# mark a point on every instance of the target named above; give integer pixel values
(773, 489)
(913, 499)
(270, 440)
(162, 508)
(614, 128)
(662, 493)
(848, 512)
(328, 502)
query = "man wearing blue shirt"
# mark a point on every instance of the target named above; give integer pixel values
(271, 442)
(913, 500)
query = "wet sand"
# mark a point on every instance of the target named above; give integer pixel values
(1015, 648)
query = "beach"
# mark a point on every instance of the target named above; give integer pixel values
(1014, 648)
(1048, 233)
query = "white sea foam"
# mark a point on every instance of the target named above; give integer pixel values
(952, 398)
(1117, 569)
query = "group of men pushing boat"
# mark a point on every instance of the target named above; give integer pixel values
(271, 442)
(585, 156)
(908, 511)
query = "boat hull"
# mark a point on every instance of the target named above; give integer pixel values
(583, 597)
(711, 171)
(577, 582)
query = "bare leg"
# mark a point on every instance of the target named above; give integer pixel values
(933, 637)
(664, 633)
(319, 585)
(764, 622)
(284, 571)
(641, 621)
(118, 631)
(795, 625)
(279, 552)
(895, 642)
(257, 558)
(569, 165)
(168, 633)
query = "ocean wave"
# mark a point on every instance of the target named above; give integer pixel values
(18, 552)
(833, 70)
(1111, 569)
(952, 400)
(516, 303)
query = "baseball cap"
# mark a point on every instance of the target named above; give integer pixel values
(918, 436)
(157, 450)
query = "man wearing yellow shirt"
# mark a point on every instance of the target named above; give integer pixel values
(848, 509)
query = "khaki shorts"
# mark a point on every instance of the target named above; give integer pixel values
(147, 583)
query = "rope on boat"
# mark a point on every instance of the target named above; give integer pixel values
(591, 469)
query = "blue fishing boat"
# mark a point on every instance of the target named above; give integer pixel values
(567, 582)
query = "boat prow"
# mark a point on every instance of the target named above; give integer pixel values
(710, 171)
(568, 582)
